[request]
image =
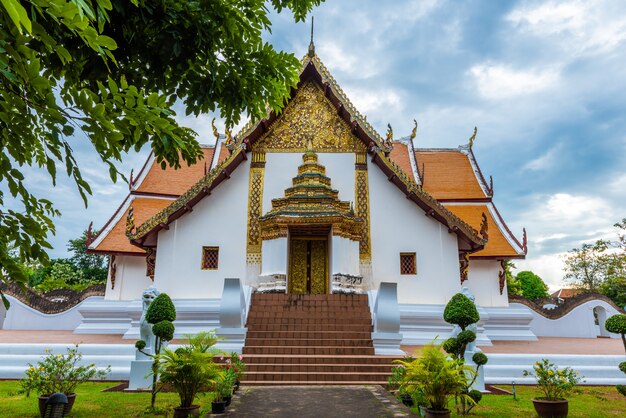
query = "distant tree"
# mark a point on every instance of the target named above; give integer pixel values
(615, 289)
(113, 69)
(512, 286)
(591, 265)
(93, 267)
(533, 287)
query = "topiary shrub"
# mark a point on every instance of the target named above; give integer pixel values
(466, 337)
(161, 309)
(617, 325)
(161, 313)
(164, 330)
(480, 359)
(460, 311)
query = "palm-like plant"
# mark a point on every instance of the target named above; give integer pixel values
(188, 370)
(437, 376)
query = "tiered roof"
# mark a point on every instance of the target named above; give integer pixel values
(449, 175)
(453, 177)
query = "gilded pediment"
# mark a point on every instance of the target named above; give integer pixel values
(309, 116)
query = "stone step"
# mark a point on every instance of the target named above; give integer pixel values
(311, 350)
(313, 383)
(308, 342)
(275, 327)
(321, 367)
(308, 320)
(309, 334)
(305, 314)
(317, 359)
(317, 376)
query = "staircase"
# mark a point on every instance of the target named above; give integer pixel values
(312, 340)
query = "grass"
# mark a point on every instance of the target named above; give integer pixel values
(92, 402)
(587, 402)
(590, 401)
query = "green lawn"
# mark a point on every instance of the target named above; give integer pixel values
(591, 401)
(92, 402)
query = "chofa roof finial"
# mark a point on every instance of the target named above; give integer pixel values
(473, 138)
(311, 44)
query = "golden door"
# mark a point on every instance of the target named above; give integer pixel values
(308, 266)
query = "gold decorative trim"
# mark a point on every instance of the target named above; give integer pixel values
(255, 205)
(150, 262)
(113, 269)
(312, 203)
(464, 266)
(309, 119)
(361, 197)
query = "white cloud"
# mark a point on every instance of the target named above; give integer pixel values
(498, 81)
(543, 162)
(578, 27)
(375, 100)
(549, 267)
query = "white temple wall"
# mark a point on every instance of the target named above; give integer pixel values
(282, 167)
(274, 254)
(218, 220)
(130, 278)
(344, 256)
(483, 282)
(399, 225)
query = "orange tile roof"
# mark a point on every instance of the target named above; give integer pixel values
(448, 175)
(566, 293)
(400, 155)
(175, 182)
(116, 240)
(497, 246)
(223, 154)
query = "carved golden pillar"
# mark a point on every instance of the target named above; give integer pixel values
(362, 209)
(255, 209)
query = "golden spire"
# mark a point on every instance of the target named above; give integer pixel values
(216, 134)
(311, 44)
(414, 131)
(473, 137)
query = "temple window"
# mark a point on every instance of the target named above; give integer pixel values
(210, 258)
(407, 263)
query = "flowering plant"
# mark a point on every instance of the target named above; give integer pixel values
(554, 383)
(60, 373)
(235, 362)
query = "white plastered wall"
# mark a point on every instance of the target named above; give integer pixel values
(130, 278)
(483, 282)
(399, 225)
(344, 256)
(274, 252)
(217, 220)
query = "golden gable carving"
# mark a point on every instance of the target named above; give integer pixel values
(309, 115)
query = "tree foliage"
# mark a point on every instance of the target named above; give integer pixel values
(532, 286)
(601, 266)
(110, 71)
(460, 311)
(92, 266)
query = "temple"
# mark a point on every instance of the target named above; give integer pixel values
(312, 201)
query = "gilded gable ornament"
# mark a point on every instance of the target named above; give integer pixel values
(309, 116)
(484, 227)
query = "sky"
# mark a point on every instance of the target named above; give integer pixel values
(543, 81)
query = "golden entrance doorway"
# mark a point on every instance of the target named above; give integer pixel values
(308, 265)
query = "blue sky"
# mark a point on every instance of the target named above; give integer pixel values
(543, 81)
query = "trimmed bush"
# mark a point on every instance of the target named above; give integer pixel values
(140, 345)
(164, 330)
(621, 389)
(475, 395)
(451, 346)
(461, 311)
(466, 337)
(616, 324)
(622, 366)
(161, 309)
(480, 359)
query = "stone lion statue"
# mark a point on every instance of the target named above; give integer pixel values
(145, 329)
